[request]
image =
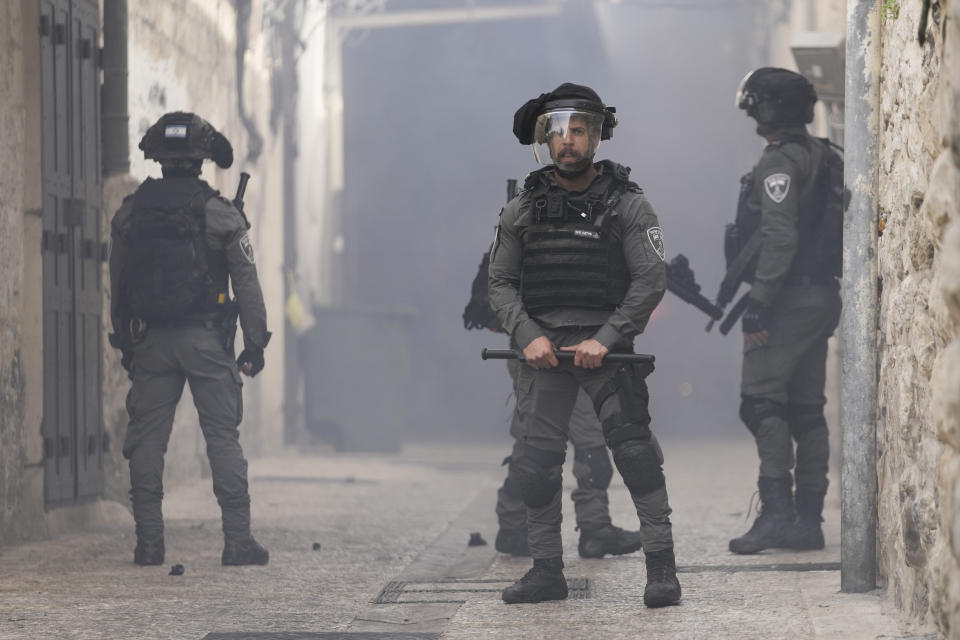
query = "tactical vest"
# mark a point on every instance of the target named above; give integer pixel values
(170, 273)
(571, 256)
(820, 220)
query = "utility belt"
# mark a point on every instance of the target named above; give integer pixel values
(224, 321)
(180, 323)
(811, 281)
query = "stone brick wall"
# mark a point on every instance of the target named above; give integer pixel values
(919, 266)
(12, 115)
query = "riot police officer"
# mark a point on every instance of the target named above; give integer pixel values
(577, 264)
(790, 218)
(176, 243)
(591, 467)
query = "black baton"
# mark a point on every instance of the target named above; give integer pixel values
(510, 354)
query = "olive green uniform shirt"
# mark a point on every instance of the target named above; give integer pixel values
(226, 231)
(784, 178)
(639, 231)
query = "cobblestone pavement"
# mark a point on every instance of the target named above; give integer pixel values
(393, 562)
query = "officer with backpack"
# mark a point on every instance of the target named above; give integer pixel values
(176, 244)
(789, 227)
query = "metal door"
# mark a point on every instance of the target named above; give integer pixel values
(72, 250)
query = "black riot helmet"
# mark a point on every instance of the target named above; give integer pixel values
(568, 108)
(183, 136)
(776, 97)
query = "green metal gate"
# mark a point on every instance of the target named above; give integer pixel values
(72, 249)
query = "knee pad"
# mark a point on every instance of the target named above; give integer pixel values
(639, 463)
(754, 410)
(511, 485)
(539, 476)
(804, 418)
(599, 470)
(633, 420)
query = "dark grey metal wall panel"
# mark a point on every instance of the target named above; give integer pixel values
(72, 277)
(57, 292)
(88, 292)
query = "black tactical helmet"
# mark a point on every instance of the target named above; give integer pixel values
(774, 96)
(182, 135)
(566, 96)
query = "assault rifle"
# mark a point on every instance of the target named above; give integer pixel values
(510, 354)
(238, 199)
(231, 311)
(682, 283)
(734, 276)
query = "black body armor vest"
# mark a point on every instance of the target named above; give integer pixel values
(820, 227)
(170, 273)
(572, 256)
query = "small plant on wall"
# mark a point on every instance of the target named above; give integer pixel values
(890, 10)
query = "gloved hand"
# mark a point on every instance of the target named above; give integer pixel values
(756, 319)
(250, 361)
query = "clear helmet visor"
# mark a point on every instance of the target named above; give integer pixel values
(745, 98)
(567, 138)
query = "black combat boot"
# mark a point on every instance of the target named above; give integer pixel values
(513, 542)
(149, 551)
(807, 534)
(663, 588)
(773, 526)
(544, 581)
(607, 540)
(241, 552)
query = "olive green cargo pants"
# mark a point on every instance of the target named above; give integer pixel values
(545, 402)
(162, 363)
(783, 383)
(590, 500)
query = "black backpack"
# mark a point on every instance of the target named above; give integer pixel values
(478, 314)
(166, 274)
(833, 199)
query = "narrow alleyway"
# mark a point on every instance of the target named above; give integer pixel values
(393, 562)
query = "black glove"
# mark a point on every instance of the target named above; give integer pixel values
(756, 318)
(253, 355)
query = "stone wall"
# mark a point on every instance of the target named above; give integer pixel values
(919, 265)
(12, 386)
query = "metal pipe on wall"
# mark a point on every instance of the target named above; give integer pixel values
(858, 387)
(115, 115)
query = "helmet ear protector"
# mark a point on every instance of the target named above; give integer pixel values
(221, 151)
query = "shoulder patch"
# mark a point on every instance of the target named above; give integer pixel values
(777, 186)
(247, 248)
(655, 236)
